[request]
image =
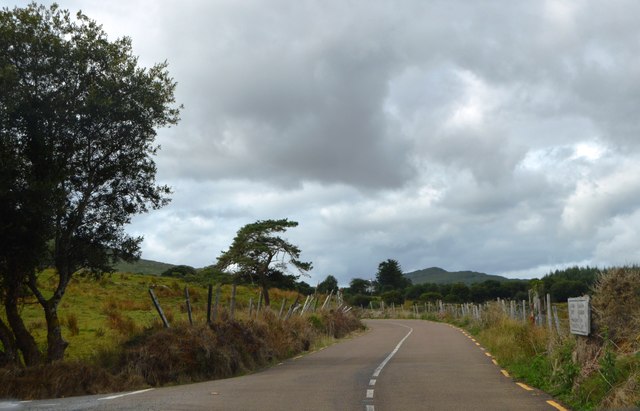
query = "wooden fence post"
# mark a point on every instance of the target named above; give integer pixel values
(555, 315)
(307, 303)
(217, 302)
(293, 306)
(327, 300)
(232, 304)
(284, 302)
(188, 303)
(209, 296)
(158, 308)
(549, 311)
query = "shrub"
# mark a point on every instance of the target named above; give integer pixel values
(616, 305)
(181, 354)
(61, 379)
(179, 271)
(360, 300)
(392, 297)
(430, 296)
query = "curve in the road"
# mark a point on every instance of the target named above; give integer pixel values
(372, 382)
(407, 364)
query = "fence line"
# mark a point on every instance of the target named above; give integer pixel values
(333, 301)
(537, 310)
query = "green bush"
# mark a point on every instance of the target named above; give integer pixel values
(360, 300)
(392, 297)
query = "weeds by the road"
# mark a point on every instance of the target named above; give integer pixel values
(122, 352)
(600, 371)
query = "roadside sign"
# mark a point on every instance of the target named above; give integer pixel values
(579, 315)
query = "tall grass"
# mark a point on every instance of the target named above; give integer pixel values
(601, 371)
(183, 353)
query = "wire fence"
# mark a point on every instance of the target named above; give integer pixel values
(536, 311)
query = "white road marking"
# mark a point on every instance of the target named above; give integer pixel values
(395, 350)
(113, 397)
(377, 371)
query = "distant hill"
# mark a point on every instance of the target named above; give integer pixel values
(438, 275)
(143, 267)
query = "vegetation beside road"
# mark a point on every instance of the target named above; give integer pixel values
(117, 341)
(601, 371)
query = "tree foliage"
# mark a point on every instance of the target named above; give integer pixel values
(327, 285)
(78, 120)
(360, 286)
(180, 271)
(570, 282)
(390, 277)
(258, 254)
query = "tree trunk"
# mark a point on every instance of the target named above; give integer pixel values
(265, 292)
(24, 340)
(56, 345)
(10, 352)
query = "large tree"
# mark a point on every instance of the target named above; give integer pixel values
(389, 276)
(259, 255)
(78, 121)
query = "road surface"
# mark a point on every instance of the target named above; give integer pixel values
(396, 365)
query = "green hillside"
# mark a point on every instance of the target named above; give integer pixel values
(142, 267)
(438, 275)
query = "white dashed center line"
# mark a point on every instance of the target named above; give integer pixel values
(113, 397)
(376, 373)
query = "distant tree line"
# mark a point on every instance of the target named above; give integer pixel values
(391, 286)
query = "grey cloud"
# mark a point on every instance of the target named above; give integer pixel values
(436, 133)
(280, 105)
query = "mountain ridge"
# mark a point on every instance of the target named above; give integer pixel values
(439, 275)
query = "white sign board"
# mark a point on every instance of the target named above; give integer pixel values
(579, 315)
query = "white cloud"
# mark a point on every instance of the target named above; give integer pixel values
(595, 202)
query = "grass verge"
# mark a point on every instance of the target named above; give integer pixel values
(181, 354)
(585, 373)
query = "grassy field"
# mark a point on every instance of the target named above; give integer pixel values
(99, 314)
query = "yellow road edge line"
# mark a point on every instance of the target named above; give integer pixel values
(556, 405)
(494, 361)
(524, 386)
(488, 354)
(505, 373)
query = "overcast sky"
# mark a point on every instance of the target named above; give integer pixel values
(495, 136)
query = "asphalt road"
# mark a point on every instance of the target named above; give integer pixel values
(396, 365)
